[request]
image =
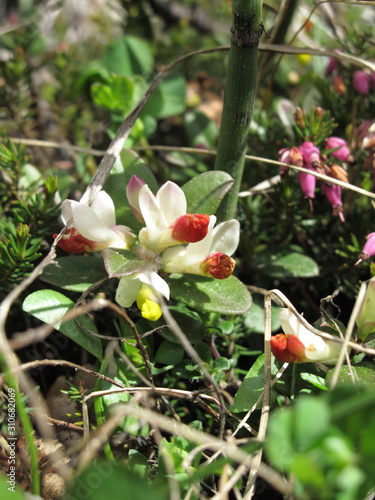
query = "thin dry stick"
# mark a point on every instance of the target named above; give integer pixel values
(349, 331)
(269, 182)
(173, 325)
(250, 487)
(61, 362)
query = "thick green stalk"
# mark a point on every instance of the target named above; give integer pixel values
(239, 97)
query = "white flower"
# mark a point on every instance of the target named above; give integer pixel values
(94, 228)
(208, 257)
(299, 344)
(167, 222)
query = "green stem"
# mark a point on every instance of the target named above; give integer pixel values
(239, 97)
(26, 425)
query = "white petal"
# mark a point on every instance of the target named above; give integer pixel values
(128, 290)
(66, 211)
(226, 237)
(172, 201)
(196, 252)
(173, 259)
(104, 208)
(156, 282)
(89, 224)
(152, 214)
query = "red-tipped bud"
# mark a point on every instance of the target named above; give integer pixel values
(190, 228)
(287, 348)
(218, 265)
(74, 242)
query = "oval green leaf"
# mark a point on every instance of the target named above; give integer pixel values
(228, 296)
(50, 306)
(75, 273)
(205, 192)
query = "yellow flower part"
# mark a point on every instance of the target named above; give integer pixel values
(304, 59)
(149, 308)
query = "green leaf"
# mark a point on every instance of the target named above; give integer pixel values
(364, 373)
(118, 93)
(129, 56)
(169, 353)
(116, 183)
(50, 306)
(205, 192)
(279, 444)
(192, 325)
(314, 380)
(309, 411)
(168, 99)
(200, 129)
(228, 296)
(119, 263)
(286, 263)
(252, 386)
(108, 480)
(75, 273)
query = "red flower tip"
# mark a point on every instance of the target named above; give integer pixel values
(190, 228)
(74, 242)
(218, 265)
(287, 348)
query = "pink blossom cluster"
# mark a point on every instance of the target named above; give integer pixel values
(362, 81)
(308, 156)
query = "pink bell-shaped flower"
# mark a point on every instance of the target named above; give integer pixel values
(343, 153)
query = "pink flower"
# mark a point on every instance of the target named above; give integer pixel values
(310, 153)
(343, 152)
(333, 194)
(361, 82)
(308, 183)
(368, 250)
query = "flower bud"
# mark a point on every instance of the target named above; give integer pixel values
(339, 173)
(339, 85)
(190, 228)
(218, 265)
(361, 82)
